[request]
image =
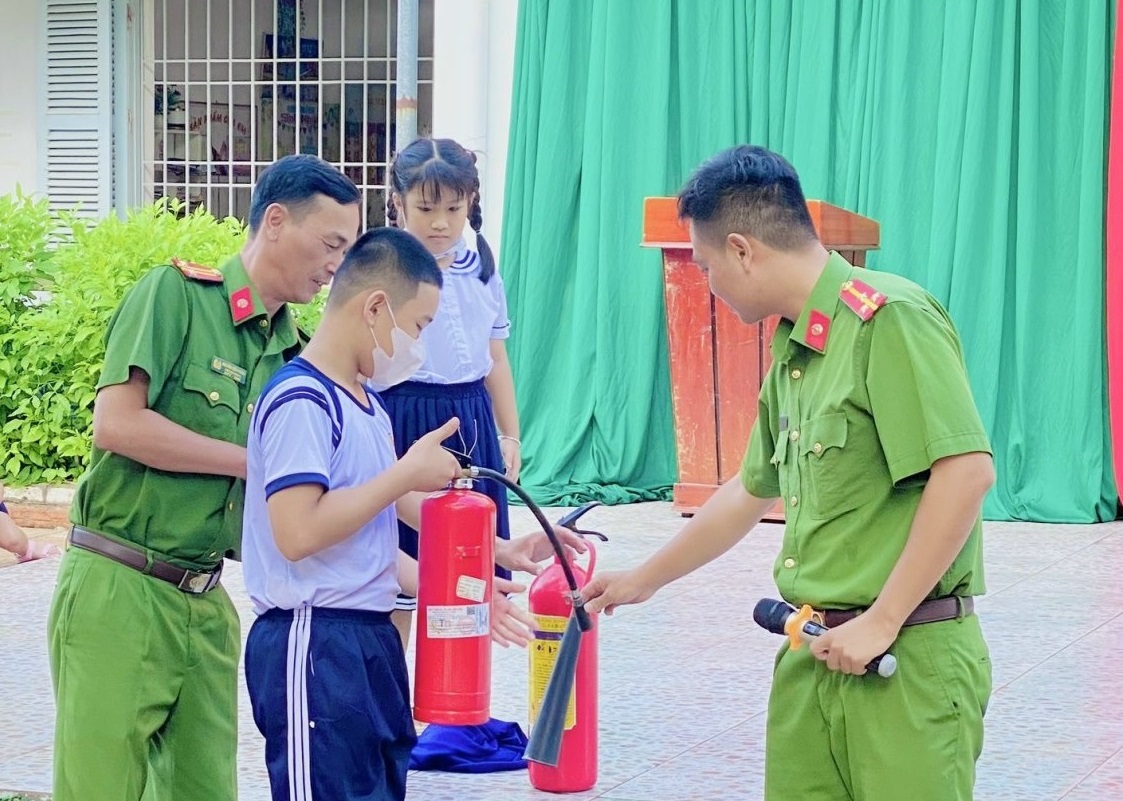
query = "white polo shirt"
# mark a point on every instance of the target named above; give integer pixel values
(470, 315)
(308, 430)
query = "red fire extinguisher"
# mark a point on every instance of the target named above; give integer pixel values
(456, 570)
(549, 602)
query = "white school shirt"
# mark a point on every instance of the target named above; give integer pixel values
(470, 315)
(308, 430)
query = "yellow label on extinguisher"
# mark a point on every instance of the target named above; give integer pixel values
(543, 655)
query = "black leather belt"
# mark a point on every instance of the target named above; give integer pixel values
(935, 610)
(190, 581)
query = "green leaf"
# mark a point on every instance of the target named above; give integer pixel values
(51, 354)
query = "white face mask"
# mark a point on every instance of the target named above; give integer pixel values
(409, 355)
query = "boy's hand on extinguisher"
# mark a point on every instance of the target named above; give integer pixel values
(606, 591)
(524, 553)
(430, 466)
(510, 625)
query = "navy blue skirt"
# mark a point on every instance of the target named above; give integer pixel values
(416, 409)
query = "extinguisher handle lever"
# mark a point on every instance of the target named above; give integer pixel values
(570, 520)
(586, 533)
(464, 459)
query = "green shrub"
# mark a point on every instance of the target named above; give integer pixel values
(25, 227)
(25, 266)
(51, 352)
(52, 356)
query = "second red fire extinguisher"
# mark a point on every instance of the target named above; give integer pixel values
(456, 570)
(549, 602)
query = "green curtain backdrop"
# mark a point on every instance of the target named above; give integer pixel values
(975, 133)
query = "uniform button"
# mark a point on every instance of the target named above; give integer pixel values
(789, 563)
(816, 329)
(214, 396)
(817, 447)
(264, 323)
(212, 554)
(796, 373)
(249, 408)
(230, 507)
(794, 501)
(794, 436)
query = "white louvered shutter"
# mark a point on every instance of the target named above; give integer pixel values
(78, 106)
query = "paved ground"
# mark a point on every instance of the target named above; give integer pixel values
(684, 678)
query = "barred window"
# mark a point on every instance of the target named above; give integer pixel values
(236, 84)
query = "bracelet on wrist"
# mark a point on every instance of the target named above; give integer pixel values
(512, 439)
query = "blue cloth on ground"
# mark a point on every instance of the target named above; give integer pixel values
(489, 748)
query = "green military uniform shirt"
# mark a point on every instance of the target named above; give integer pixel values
(867, 389)
(208, 346)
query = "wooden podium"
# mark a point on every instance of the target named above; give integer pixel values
(717, 362)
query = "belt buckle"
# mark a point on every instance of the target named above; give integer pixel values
(199, 583)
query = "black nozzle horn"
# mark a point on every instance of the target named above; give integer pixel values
(771, 614)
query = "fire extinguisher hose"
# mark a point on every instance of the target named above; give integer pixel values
(583, 620)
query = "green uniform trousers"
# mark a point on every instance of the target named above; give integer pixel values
(915, 735)
(145, 680)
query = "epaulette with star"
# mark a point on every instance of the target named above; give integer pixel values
(862, 299)
(197, 272)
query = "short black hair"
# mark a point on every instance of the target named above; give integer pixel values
(388, 259)
(295, 181)
(751, 191)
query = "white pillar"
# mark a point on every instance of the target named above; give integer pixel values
(406, 83)
(501, 81)
(473, 68)
(460, 85)
(21, 43)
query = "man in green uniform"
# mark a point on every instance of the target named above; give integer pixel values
(868, 431)
(144, 641)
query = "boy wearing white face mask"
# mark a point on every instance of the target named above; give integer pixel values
(409, 355)
(325, 666)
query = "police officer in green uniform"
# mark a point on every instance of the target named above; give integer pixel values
(867, 430)
(144, 641)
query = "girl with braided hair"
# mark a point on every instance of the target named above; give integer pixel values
(434, 195)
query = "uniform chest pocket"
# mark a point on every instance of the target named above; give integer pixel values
(833, 469)
(210, 403)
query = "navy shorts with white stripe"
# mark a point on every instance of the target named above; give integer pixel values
(330, 694)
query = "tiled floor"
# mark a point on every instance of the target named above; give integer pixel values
(684, 678)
